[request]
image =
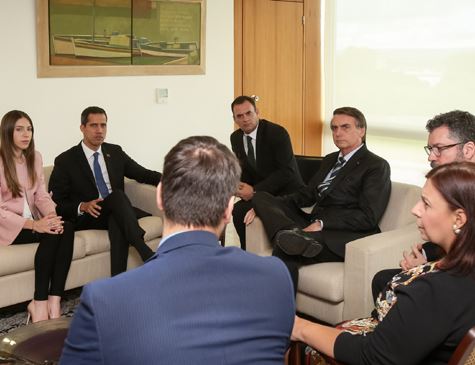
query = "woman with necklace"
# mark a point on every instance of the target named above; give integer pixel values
(27, 214)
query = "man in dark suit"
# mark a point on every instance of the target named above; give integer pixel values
(87, 183)
(349, 192)
(194, 302)
(267, 160)
(451, 138)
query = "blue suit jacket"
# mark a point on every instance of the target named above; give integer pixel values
(194, 302)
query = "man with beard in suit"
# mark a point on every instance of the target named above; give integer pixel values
(451, 138)
(87, 183)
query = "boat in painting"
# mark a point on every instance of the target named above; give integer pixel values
(113, 46)
(170, 49)
(63, 43)
(118, 46)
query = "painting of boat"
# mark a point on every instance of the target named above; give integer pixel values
(123, 32)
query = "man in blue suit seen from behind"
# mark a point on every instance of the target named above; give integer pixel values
(193, 302)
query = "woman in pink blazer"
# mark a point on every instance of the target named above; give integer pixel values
(27, 214)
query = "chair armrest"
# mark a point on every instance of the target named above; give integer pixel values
(364, 258)
(142, 196)
(256, 238)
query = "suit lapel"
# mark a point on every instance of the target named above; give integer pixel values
(241, 152)
(84, 165)
(261, 131)
(346, 170)
(109, 164)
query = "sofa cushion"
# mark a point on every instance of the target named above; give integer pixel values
(324, 281)
(20, 258)
(97, 240)
(153, 227)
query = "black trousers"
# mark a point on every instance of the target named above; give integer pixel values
(277, 214)
(120, 218)
(52, 259)
(239, 211)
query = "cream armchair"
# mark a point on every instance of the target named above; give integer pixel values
(334, 291)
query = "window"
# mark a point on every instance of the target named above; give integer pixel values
(399, 62)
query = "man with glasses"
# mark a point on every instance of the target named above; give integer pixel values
(451, 138)
(266, 157)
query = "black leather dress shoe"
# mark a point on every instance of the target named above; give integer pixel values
(297, 242)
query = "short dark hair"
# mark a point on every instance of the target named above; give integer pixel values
(200, 175)
(91, 110)
(241, 100)
(456, 183)
(461, 124)
(355, 113)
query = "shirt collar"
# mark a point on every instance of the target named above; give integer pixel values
(88, 152)
(350, 155)
(253, 134)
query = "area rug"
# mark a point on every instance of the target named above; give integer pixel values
(15, 316)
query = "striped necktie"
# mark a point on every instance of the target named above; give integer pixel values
(326, 183)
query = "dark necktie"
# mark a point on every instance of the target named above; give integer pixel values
(326, 183)
(250, 152)
(101, 184)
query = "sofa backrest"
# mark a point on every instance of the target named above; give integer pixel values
(398, 212)
(308, 166)
(47, 172)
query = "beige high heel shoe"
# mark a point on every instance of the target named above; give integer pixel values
(32, 313)
(29, 308)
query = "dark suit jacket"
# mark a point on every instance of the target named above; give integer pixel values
(276, 171)
(355, 201)
(72, 180)
(194, 302)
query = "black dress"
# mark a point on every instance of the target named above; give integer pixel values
(419, 319)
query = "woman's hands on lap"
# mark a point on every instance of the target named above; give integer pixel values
(51, 224)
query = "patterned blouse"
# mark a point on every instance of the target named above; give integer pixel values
(386, 299)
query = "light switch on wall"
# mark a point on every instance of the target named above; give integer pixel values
(161, 96)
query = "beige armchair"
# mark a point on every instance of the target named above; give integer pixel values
(334, 291)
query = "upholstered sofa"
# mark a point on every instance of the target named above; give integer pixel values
(332, 292)
(91, 258)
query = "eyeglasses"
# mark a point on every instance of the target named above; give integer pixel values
(437, 150)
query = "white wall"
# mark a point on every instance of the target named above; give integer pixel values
(197, 104)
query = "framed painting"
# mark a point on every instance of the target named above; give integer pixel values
(120, 37)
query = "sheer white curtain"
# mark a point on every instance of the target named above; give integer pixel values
(400, 62)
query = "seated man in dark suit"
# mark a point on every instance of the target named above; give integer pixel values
(194, 302)
(349, 192)
(267, 160)
(451, 138)
(87, 183)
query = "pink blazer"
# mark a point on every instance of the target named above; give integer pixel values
(11, 209)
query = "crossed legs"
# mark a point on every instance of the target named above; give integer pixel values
(120, 219)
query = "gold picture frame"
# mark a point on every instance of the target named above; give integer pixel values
(80, 53)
